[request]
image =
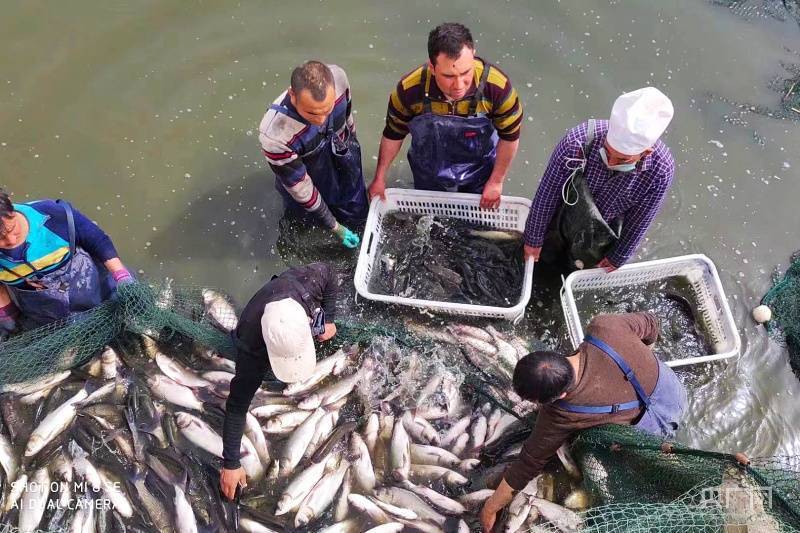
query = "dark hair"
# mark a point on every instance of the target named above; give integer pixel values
(448, 38)
(314, 77)
(542, 376)
(6, 207)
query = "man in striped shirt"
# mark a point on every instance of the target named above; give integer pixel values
(464, 118)
(308, 137)
(627, 168)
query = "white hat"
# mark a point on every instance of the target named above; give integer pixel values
(638, 119)
(290, 345)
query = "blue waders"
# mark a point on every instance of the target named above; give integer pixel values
(78, 285)
(662, 409)
(334, 166)
(452, 153)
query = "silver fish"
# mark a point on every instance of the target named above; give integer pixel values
(440, 501)
(295, 446)
(251, 526)
(389, 527)
(331, 365)
(35, 385)
(473, 500)
(400, 453)
(84, 520)
(251, 463)
(218, 362)
(427, 333)
(185, 521)
(337, 390)
(342, 505)
(394, 511)
(112, 490)
(109, 361)
(54, 423)
(200, 434)
(270, 410)
(299, 487)
(405, 498)
(320, 496)
(457, 429)
(431, 473)
(34, 501)
(368, 508)
(560, 517)
(8, 459)
(423, 454)
(323, 430)
(220, 310)
(371, 430)
(17, 488)
(351, 525)
(361, 464)
(484, 347)
(461, 444)
(179, 373)
(495, 235)
(173, 392)
(284, 422)
(420, 429)
(505, 350)
(503, 423)
(478, 435)
(518, 511)
(253, 431)
(463, 330)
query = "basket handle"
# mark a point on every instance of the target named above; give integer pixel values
(369, 242)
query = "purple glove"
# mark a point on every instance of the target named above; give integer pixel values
(8, 320)
(122, 276)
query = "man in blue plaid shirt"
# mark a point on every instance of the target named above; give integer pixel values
(627, 169)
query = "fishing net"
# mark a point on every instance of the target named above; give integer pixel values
(157, 309)
(644, 484)
(784, 301)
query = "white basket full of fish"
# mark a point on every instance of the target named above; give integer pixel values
(685, 293)
(443, 252)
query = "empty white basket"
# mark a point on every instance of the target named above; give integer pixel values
(511, 215)
(702, 276)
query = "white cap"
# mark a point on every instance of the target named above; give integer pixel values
(290, 345)
(638, 119)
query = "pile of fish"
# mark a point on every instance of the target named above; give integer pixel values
(376, 439)
(446, 259)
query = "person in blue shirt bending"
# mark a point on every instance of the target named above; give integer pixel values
(54, 262)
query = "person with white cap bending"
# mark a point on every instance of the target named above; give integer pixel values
(604, 184)
(275, 339)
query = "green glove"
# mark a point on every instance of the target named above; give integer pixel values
(348, 238)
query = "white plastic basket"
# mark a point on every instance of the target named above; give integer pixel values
(702, 276)
(511, 215)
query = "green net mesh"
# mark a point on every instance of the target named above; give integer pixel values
(784, 301)
(157, 309)
(635, 483)
(645, 484)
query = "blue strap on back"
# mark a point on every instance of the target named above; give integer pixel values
(70, 225)
(630, 375)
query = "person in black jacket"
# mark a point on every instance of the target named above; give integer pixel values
(275, 340)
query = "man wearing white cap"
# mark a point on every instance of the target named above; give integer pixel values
(603, 186)
(275, 339)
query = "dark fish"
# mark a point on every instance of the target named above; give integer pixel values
(342, 430)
